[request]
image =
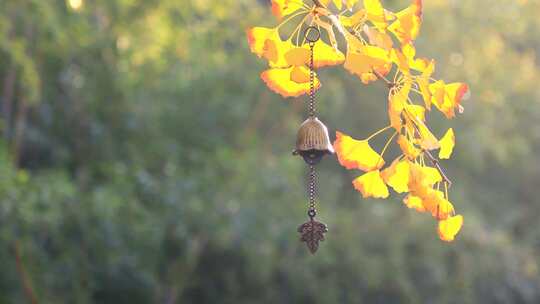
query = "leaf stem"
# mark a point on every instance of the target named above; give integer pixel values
(378, 132)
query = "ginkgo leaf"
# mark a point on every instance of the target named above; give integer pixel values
(428, 141)
(274, 51)
(414, 202)
(356, 154)
(423, 83)
(416, 111)
(378, 38)
(368, 77)
(282, 8)
(450, 227)
(338, 4)
(257, 37)
(366, 60)
(447, 97)
(300, 74)
(350, 3)
(326, 55)
(405, 61)
(281, 81)
(371, 184)
(397, 175)
(447, 144)
(297, 56)
(421, 179)
(408, 148)
(396, 104)
(354, 19)
(407, 24)
(375, 13)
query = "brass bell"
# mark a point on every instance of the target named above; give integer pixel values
(312, 141)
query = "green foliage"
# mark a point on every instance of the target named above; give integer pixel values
(154, 167)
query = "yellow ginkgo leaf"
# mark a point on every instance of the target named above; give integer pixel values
(447, 144)
(350, 3)
(367, 59)
(257, 37)
(326, 55)
(405, 61)
(297, 56)
(282, 8)
(397, 175)
(450, 227)
(407, 24)
(356, 154)
(421, 179)
(423, 83)
(396, 104)
(338, 4)
(354, 19)
(371, 184)
(274, 51)
(378, 38)
(282, 81)
(414, 202)
(375, 13)
(408, 148)
(447, 97)
(428, 141)
(416, 111)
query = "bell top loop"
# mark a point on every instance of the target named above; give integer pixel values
(312, 34)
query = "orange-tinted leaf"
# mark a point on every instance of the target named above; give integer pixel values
(378, 38)
(366, 60)
(281, 81)
(300, 74)
(257, 37)
(447, 144)
(408, 148)
(356, 154)
(447, 97)
(407, 25)
(396, 104)
(397, 175)
(297, 56)
(421, 179)
(282, 8)
(274, 51)
(450, 227)
(371, 184)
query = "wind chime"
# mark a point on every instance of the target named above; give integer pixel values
(312, 143)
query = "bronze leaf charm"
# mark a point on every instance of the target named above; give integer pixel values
(312, 232)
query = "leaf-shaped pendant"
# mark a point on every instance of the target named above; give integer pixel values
(312, 232)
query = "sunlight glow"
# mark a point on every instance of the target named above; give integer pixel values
(75, 4)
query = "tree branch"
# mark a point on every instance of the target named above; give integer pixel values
(437, 165)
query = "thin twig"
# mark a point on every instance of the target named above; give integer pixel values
(25, 280)
(437, 165)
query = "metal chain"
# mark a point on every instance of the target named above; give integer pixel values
(311, 81)
(312, 191)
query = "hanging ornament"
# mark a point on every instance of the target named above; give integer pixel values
(312, 143)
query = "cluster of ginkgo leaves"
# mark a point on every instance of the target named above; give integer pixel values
(379, 46)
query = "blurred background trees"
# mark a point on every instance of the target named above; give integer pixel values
(143, 161)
